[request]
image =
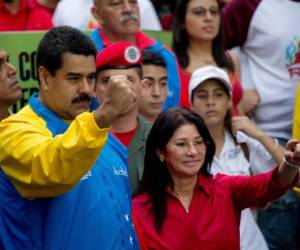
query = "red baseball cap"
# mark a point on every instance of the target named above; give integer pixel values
(120, 55)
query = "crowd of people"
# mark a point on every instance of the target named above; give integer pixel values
(130, 144)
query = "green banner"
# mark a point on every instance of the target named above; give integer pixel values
(21, 47)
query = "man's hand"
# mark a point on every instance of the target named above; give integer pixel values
(120, 97)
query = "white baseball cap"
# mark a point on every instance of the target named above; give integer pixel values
(208, 72)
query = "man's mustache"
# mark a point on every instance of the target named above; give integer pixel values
(82, 98)
(128, 17)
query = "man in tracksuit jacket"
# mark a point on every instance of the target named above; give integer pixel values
(58, 184)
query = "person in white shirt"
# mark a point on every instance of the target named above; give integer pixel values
(241, 148)
(268, 33)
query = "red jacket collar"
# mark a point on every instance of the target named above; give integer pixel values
(205, 183)
(142, 40)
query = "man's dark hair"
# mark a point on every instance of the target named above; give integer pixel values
(60, 40)
(156, 177)
(152, 58)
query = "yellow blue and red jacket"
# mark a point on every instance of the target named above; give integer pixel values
(56, 192)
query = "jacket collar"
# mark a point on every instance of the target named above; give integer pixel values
(53, 122)
(140, 136)
(142, 40)
(205, 183)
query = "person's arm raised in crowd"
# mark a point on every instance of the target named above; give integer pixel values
(120, 97)
(249, 191)
(242, 123)
(40, 165)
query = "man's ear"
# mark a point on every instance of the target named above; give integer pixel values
(96, 14)
(44, 75)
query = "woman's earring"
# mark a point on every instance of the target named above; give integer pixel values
(161, 158)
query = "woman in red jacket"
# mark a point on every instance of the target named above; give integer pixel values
(179, 205)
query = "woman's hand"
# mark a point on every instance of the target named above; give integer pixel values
(292, 154)
(290, 165)
(244, 124)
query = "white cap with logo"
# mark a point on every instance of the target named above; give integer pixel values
(208, 72)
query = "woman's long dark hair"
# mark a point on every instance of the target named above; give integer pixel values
(156, 177)
(181, 40)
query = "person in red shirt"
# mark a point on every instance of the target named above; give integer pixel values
(198, 41)
(21, 15)
(123, 59)
(179, 205)
(120, 21)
